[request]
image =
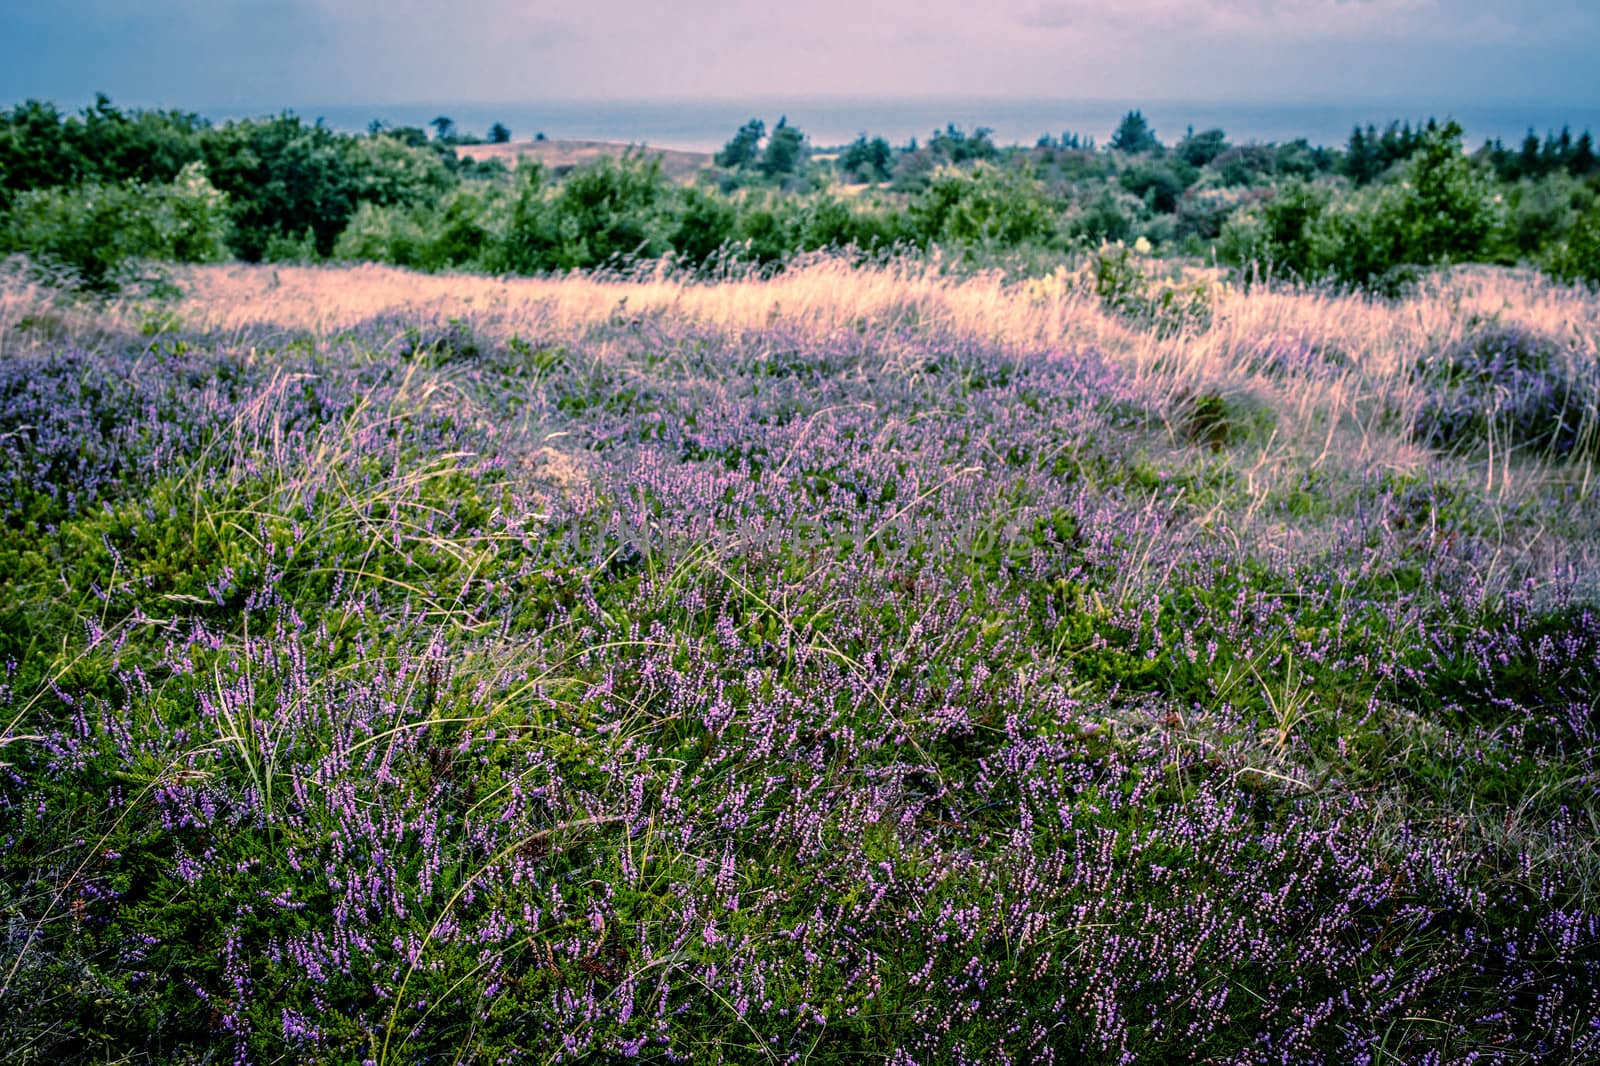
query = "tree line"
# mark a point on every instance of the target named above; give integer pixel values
(95, 193)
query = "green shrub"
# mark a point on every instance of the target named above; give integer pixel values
(1577, 259)
(703, 226)
(531, 241)
(1104, 219)
(1538, 217)
(1159, 184)
(94, 231)
(611, 211)
(982, 206)
(1164, 306)
(383, 234)
(1278, 236)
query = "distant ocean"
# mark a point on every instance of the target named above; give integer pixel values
(707, 124)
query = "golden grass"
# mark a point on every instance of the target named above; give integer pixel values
(1349, 420)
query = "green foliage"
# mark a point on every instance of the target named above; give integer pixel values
(610, 211)
(1577, 259)
(785, 151)
(864, 160)
(1134, 135)
(1159, 183)
(385, 171)
(1450, 208)
(1199, 149)
(1538, 214)
(282, 178)
(42, 148)
(1277, 237)
(1164, 307)
(1374, 238)
(95, 231)
(954, 145)
(984, 206)
(703, 226)
(603, 214)
(303, 192)
(1103, 220)
(744, 148)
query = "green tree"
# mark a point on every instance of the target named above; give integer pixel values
(283, 179)
(1134, 135)
(865, 160)
(956, 146)
(1449, 207)
(785, 151)
(444, 129)
(1199, 149)
(744, 148)
(36, 151)
(499, 133)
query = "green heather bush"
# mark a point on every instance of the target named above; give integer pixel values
(94, 231)
(1506, 389)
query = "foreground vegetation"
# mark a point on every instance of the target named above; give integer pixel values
(855, 664)
(90, 196)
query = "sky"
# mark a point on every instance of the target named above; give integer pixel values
(206, 55)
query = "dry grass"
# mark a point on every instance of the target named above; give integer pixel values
(1349, 416)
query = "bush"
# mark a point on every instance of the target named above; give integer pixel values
(611, 211)
(1166, 308)
(1104, 220)
(1279, 236)
(383, 234)
(1577, 259)
(703, 226)
(1159, 184)
(1538, 215)
(531, 242)
(94, 231)
(1199, 149)
(983, 206)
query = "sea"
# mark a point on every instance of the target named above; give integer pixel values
(706, 124)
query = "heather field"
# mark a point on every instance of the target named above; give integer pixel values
(857, 664)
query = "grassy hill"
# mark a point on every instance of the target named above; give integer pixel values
(860, 664)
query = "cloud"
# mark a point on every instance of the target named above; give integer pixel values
(1280, 19)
